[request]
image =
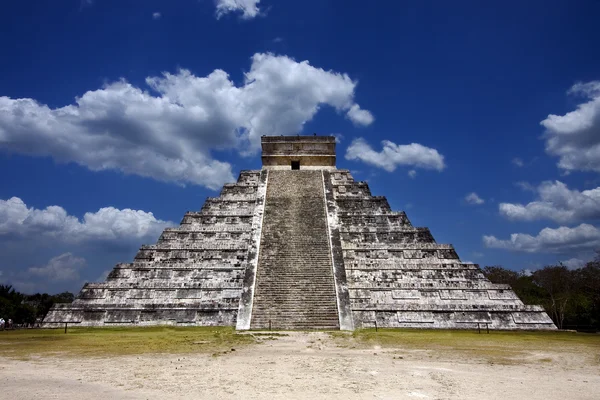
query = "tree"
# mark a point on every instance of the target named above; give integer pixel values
(587, 291)
(25, 309)
(521, 283)
(497, 274)
(558, 283)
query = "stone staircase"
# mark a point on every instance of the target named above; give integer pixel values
(294, 287)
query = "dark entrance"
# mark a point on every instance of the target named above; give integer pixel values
(295, 164)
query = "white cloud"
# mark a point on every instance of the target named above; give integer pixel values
(168, 133)
(517, 162)
(107, 223)
(526, 186)
(584, 237)
(473, 198)
(280, 95)
(575, 136)
(65, 267)
(393, 155)
(156, 15)
(558, 203)
(248, 8)
(573, 263)
(358, 116)
(412, 174)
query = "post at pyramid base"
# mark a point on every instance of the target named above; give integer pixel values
(298, 245)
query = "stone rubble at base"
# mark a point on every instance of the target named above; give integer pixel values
(295, 250)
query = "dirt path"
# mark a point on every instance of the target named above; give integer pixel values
(303, 365)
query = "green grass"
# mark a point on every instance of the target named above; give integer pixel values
(120, 341)
(498, 346)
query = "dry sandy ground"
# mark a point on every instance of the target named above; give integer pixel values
(299, 366)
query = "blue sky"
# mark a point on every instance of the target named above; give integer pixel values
(481, 120)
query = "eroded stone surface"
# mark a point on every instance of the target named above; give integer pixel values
(398, 276)
(193, 275)
(302, 249)
(294, 283)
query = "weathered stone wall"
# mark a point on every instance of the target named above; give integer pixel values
(303, 249)
(245, 308)
(312, 152)
(193, 275)
(398, 276)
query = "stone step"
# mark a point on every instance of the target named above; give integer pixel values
(294, 281)
(291, 312)
(261, 323)
(291, 327)
(296, 292)
(329, 319)
(288, 324)
(298, 319)
(287, 303)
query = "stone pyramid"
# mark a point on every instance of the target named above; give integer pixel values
(298, 245)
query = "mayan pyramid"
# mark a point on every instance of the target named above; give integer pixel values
(298, 245)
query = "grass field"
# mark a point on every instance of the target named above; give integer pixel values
(505, 347)
(120, 341)
(497, 346)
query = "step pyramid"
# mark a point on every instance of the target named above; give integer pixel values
(298, 245)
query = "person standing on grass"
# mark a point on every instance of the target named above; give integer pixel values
(1, 324)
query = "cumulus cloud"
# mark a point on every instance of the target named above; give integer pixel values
(64, 267)
(526, 186)
(168, 133)
(575, 136)
(584, 237)
(338, 137)
(517, 162)
(107, 223)
(558, 203)
(359, 116)
(248, 8)
(573, 263)
(412, 174)
(473, 198)
(392, 155)
(156, 15)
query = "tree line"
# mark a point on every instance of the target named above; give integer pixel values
(571, 297)
(24, 309)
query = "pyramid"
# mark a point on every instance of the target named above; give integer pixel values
(298, 245)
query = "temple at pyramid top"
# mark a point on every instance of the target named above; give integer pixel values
(298, 152)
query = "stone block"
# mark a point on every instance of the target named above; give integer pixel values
(425, 317)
